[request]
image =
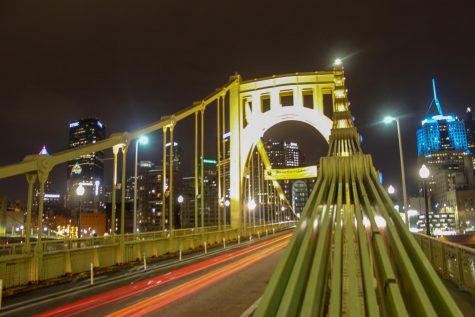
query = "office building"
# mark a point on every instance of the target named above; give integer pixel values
(85, 173)
(284, 154)
(469, 123)
(299, 196)
(443, 144)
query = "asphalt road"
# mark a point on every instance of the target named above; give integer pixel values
(230, 297)
(223, 284)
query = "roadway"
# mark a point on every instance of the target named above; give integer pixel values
(222, 283)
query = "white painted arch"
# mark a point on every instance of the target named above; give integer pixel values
(261, 122)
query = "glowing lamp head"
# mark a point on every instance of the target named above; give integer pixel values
(80, 190)
(388, 119)
(180, 199)
(391, 189)
(424, 172)
(227, 203)
(251, 204)
(337, 62)
(143, 139)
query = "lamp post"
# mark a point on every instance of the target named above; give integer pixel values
(180, 200)
(80, 190)
(424, 174)
(388, 120)
(391, 189)
(141, 140)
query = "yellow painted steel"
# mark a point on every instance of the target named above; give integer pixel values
(351, 253)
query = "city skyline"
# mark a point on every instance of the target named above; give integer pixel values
(134, 87)
(237, 159)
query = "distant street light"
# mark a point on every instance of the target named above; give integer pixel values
(80, 190)
(251, 204)
(388, 120)
(391, 189)
(143, 139)
(180, 200)
(424, 174)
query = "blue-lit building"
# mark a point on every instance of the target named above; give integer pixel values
(443, 145)
(441, 133)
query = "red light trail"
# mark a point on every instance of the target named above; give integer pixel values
(125, 292)
(158, 301)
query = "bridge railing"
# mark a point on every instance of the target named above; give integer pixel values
(452, 261)
(72, 244)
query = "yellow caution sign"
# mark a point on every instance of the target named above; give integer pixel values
(291, 173)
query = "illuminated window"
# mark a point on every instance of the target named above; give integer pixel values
(287, 98)
(265, 103)
(307, 98)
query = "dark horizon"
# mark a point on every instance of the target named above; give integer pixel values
(130, 64)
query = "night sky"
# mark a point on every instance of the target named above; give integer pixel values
(130, 62)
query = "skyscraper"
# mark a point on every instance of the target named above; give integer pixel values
(299, 195)
(443, 144)
(442, 139)
(470, 128)
(85, 173)
(284, 154)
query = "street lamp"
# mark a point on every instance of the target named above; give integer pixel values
(180, 201)
(143, 139)
(388, 120)
(424, 174)
(391, 189)
(80, 190)
(251, 204)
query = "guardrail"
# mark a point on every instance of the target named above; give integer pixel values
(20, 265)
(73, 244)
(452, 261)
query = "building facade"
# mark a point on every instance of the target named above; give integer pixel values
(86, 173)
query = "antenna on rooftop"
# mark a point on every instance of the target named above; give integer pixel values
(435, 100)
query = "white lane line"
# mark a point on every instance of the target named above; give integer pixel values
(248, 312)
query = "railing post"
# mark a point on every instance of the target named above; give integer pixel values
(460, 268)
(92, 274)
